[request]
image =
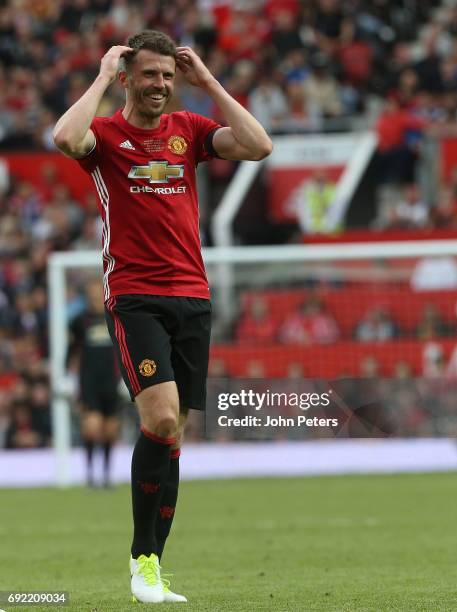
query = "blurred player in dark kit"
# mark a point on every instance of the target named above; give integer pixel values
(92, 352)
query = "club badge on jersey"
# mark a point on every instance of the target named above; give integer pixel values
(177, 145)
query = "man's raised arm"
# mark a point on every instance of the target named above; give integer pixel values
(72, 133)
(245, 138)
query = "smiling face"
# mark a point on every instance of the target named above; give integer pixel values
(149, 83)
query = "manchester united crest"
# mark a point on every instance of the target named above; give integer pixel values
(177, 145)
(147, 367)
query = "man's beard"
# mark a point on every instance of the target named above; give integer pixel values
(144, 107)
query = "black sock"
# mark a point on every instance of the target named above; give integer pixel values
(107, 459)
(150, 467)
(89, 458)
(168, 503)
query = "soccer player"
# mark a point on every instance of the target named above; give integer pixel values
(156, 292)
(92, 349)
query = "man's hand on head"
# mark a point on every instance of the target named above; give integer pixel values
(109, 66)
(192, 67)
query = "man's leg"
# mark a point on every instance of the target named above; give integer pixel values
(111, 428)
(170, 493)
(141, 328)
(158, 407)
(190, 366)
(92, 430)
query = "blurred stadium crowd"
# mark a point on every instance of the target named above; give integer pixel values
(307, 65)
(292, 62)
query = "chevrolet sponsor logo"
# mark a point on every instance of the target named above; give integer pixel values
(157, 171)
(159, 190)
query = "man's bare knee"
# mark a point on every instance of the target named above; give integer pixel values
(166, 425)
(158, 408)
(180, 429)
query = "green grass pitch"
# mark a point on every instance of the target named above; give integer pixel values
(335, 543)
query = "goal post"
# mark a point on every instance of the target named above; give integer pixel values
(58, 265)
(266, 269)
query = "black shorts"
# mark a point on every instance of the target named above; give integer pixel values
(96, 399)
(162, 338)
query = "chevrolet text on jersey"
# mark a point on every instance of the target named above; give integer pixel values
(161, 190)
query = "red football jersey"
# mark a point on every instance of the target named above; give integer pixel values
(146, 183)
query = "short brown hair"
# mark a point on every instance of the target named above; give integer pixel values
(153, 41)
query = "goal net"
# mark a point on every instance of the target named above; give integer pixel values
(384, 311)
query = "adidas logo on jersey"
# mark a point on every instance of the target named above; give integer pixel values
(127, 145)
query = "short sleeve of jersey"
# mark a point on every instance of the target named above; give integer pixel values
(90, 161)
(201, 127)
